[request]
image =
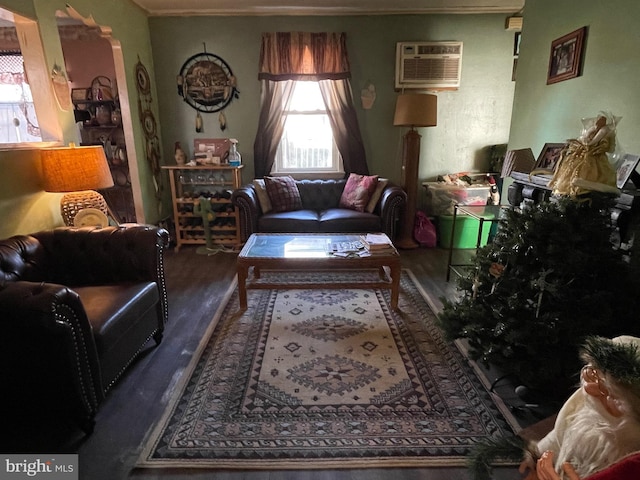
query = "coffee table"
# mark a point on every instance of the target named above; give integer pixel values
(310, 252)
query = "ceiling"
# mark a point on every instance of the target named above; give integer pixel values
(325, 7)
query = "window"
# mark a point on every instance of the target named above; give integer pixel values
(307, 143)
(18, 121)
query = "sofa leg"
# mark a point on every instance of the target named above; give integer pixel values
(158, 337)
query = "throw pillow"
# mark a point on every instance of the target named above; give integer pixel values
(283, 193)
(263, 196)
(357, 191)
(375, 196)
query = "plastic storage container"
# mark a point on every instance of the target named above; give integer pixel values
(466, 234)
(442, 197)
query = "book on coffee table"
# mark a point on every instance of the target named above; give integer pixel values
(376, 241)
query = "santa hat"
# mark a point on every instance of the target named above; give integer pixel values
(618, 358)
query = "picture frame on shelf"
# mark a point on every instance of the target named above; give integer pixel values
(565, 59)
(549, 156)
(626, 169)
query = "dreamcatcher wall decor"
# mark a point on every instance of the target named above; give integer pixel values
(149, 126)
(208, 85)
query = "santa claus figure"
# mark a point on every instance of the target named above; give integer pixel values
(597, 431)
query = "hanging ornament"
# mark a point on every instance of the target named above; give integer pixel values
(199, 127)
(223, 121)
(206, 82)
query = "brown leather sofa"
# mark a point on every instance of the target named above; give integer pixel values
(77, 306)
(320, 211)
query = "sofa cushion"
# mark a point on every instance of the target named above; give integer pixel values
(357, 191)
(283, 193)
(263, 196)
(375, 196)
(320, 194)
(112, 309)
(293, 221)
(342, 220)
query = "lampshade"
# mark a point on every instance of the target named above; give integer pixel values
(72, 169)
(416, 110)
(77, 171)
(521, 160)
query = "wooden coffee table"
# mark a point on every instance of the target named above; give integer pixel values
(310, 252)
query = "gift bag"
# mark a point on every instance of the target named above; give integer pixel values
(424, 231)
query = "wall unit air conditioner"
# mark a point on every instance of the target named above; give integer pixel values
(428, 65)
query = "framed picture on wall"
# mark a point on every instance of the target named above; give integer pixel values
(626, 168)
(565, 60)
(549, 156)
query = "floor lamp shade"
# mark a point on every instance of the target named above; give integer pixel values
(412, 110)
(416, 110)
(76, 171)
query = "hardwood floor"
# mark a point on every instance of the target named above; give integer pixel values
(196, 286)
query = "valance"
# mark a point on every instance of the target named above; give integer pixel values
(303, 56)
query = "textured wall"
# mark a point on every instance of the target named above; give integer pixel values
(476, 115)
(551, 113)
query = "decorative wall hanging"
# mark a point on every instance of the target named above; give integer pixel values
(61, 87)
(207, 84)
(149, 127)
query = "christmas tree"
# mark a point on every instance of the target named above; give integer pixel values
(549, 278)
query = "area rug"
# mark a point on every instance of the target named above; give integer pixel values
(325, 379)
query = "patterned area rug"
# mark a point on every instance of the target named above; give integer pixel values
(322, 379)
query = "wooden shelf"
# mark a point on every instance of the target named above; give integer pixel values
(186, 190)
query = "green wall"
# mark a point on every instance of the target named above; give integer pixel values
(475, 116)
(552, 113)
(24, 207)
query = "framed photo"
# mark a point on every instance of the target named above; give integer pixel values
(549, 156)
(565, 60)
(626, 169)
(516, 43)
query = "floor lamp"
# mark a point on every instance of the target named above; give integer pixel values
(412, 110)
(78, 172)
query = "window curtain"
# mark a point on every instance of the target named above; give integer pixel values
(289, 56)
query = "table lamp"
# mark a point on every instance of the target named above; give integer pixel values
(412, 110)
(78, 172)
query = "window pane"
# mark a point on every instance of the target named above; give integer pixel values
(18, 121)
(306, 97)
(307, 142)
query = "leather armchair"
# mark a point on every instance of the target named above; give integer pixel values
(78, 305)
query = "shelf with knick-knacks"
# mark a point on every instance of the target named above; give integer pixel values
(213, 185)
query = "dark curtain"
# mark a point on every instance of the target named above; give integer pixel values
(322, 57)
(274, 98)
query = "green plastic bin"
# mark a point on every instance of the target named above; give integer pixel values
(466, 234)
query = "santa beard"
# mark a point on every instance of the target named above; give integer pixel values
(591, 438)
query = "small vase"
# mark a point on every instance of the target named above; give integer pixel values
(103, 115)
(116, 116)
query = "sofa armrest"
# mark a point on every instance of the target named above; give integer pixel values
(392, 202)
(47, 350)
(245, 199)
(97, 256)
